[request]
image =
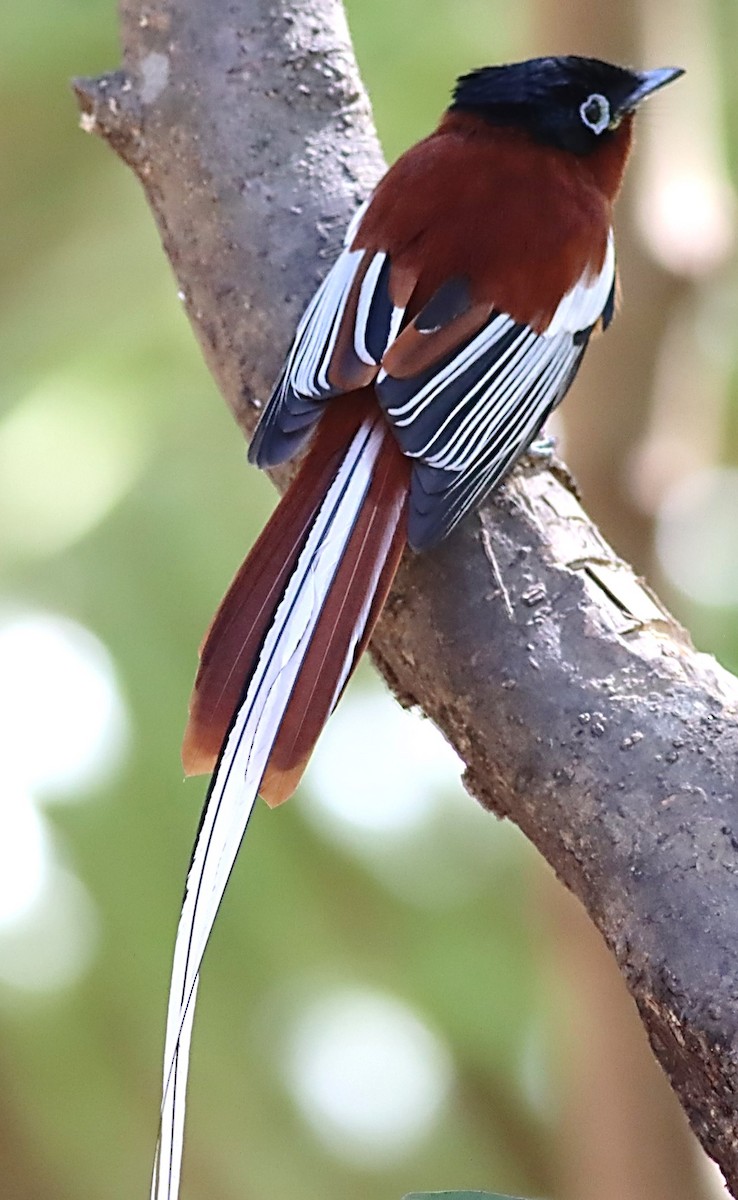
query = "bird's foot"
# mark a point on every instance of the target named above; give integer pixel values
(543, 449)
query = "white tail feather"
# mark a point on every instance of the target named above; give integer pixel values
(238, 775)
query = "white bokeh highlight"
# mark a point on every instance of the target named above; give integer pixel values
(24, 853)
(50, 945)
(69, 453)
(695, 536)
(62, 721)
(380, 769)
(63, 730)
(385, 787)
(368, 1076)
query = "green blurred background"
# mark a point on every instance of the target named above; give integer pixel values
(398, 994)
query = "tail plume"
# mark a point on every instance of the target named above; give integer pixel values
(278, 654)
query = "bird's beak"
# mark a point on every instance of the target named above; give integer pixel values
(648, 82)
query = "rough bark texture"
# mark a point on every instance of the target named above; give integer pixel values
(579, 706)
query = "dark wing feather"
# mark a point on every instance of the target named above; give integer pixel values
(468, 416)
(338, 347)
(441, 496)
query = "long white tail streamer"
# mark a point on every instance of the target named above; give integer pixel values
(238, 774)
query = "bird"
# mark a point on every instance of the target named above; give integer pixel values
(450, 326)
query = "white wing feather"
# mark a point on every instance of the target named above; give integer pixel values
(583, 305)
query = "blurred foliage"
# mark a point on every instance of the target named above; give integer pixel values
(458, 1196)
(125, 504)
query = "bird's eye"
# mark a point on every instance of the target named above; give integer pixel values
(595, 112)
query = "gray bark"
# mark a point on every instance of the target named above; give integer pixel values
(579, 706)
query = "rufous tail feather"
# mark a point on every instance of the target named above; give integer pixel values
(278, 654)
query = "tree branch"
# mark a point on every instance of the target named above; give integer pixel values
(578, 705)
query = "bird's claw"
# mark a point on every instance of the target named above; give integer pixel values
(543, 449)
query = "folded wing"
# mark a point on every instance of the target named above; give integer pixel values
(465, 418)
(464, 386)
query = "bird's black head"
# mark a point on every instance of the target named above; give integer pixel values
(572, 103)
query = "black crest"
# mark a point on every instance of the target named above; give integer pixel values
(569, 102)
